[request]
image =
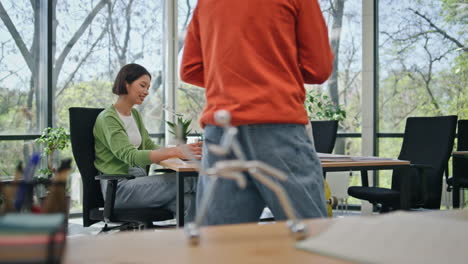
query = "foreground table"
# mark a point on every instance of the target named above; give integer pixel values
(245, 243)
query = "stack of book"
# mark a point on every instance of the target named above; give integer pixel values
(32, 238)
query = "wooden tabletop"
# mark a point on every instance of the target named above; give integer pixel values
(184, 166)
(244, 243)
(179, 165)
(363, 163)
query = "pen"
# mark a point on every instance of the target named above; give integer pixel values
(22, 191)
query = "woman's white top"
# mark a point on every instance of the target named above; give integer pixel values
(132, 129)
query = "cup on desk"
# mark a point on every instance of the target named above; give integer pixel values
(193, 139)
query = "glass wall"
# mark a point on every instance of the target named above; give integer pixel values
(91, 40)
(12, 152)
(344, 18)
(190, 99)
(344, 86)
(20, 62)
(388, 148)
(422, 61)
(421, 53)
(22, 89)
(113, 35)
(108, 36)
(422, 65)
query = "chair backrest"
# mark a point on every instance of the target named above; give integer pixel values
(460, 165)
(324, 133)
(462, 143)
(428, 141)
(82, 141)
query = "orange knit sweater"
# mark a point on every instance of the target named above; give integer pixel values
(253, 57)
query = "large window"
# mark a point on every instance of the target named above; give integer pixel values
(12, 152)
(190, 99)
(91, 41)
(22, 82)
(422, 65)
(422, 60)
(344, 86)
(94, 40)
(21, 85)
(343, 18)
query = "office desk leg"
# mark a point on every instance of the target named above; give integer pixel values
(364, 178)
(180, 199)
(405, 193)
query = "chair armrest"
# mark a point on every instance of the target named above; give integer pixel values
(163, 170)
(113, 177)
(111, 190)
(109, 200)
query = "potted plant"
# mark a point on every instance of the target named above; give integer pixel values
(181, 128)
(53, 139)
(324, 116)
(320, 107)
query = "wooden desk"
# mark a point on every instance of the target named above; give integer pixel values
(245, 243)
(183, 166)
(363, 166)
(183, 170)
(188, 169)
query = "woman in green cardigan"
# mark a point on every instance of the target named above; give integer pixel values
(123, 146)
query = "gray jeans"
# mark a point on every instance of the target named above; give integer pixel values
(283, 146)
(153, 191)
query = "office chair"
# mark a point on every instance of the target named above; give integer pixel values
(460, 165)
(94, 208)
(427, 144)
(324, 133)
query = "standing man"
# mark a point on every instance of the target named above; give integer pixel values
(253, 58)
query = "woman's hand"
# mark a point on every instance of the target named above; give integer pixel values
(194, 148)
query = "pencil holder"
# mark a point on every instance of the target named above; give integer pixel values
(21, 197)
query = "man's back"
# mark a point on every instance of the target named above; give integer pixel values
(253, 57)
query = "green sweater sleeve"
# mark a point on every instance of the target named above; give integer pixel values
(109, 131)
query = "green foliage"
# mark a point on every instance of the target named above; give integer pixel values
(454, 11)
(181, 128)
(321, 107)
(95, 93)
(53, 139)
(190, 103)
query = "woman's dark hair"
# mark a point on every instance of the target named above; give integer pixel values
(128, 74)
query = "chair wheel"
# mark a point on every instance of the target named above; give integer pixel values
(333, 202)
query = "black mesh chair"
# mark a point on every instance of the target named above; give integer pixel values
(460, 165)
(427, 144)
(324, 133)
(94, 209)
